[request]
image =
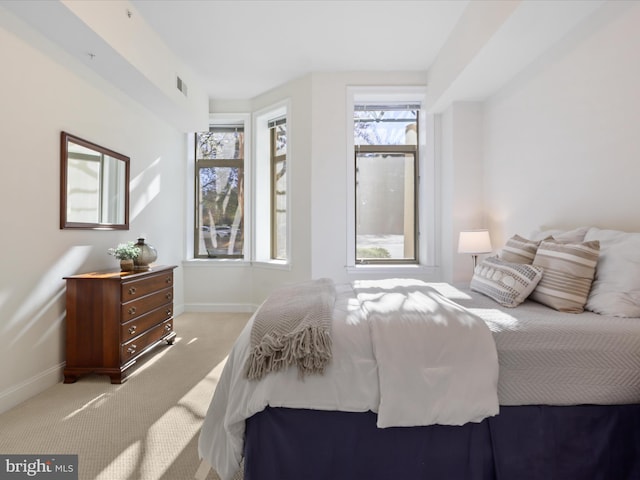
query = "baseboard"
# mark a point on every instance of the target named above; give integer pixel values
(178, 309)
(30, 387)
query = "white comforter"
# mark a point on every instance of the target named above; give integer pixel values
(400, 349)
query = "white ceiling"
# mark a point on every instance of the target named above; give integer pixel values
(242, 48)
(238, 49)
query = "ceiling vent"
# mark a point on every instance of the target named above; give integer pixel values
(181, 86)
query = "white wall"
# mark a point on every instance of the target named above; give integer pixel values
(299, 162)
(44, 91)
(461, 183)
(562, 146)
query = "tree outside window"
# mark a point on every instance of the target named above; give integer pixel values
(278, 155)
(220, 193)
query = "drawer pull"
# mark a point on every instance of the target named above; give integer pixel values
(132, 311)
(169, 280)
(168, 296)
(131, 349)
(132, 330)
(167, 327)
(168, 312)
(132, 290)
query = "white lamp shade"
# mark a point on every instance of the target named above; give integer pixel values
(474, 241)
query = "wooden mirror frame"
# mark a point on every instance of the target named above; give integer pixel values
(122, 193)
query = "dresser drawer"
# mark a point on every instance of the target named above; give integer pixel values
(138, 345)
(145, 304)
(143, 323)
(139, 288)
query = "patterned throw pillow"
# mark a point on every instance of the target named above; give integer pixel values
(519, 250)
(569, 269)
(507, 283)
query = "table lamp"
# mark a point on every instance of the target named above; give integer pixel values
(474, 242)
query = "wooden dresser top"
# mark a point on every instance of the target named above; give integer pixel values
(116, 274)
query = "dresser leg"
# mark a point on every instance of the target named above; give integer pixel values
(117, 378)
(68, 378)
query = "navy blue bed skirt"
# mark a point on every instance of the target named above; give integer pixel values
(586, 442)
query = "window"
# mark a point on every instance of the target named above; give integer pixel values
(386, 176)
(272, 191)
(219, 221)
(278, 155)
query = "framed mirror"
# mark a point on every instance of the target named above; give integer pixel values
(94, 186)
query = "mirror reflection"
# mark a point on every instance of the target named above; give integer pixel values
(95, 186)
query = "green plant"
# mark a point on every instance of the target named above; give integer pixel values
(373, 252)
(125, 251)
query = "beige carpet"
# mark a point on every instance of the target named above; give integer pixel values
(147, 428)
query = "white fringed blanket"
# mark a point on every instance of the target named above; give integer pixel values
(293, 327)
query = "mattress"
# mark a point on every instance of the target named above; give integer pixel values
(553, 358)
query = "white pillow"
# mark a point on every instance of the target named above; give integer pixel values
(572, 236)
(616, 287)
(507, 283)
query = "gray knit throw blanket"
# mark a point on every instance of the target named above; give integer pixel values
(293, 327)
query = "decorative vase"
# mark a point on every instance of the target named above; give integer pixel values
(147, 255)
(127, 265)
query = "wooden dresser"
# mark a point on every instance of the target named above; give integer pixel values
(114, 318)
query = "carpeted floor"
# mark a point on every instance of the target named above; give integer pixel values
(145, 429)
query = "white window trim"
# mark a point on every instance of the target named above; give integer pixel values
(261, 166)
(427, 193)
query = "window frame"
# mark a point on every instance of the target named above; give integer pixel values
(243, 164)
(427, 191)
(400, 149)
(262, 213)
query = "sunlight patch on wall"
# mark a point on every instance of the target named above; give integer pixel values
(53, 328)
(144, 188)
(46, 292)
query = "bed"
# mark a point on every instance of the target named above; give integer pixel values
(559, 397)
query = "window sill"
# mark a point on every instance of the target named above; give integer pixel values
(272, 264)
(218, 262)
(235, 263)
(423, 271)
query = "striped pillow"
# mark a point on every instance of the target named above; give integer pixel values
(569, 269)
(520, 250)
(507, 283)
